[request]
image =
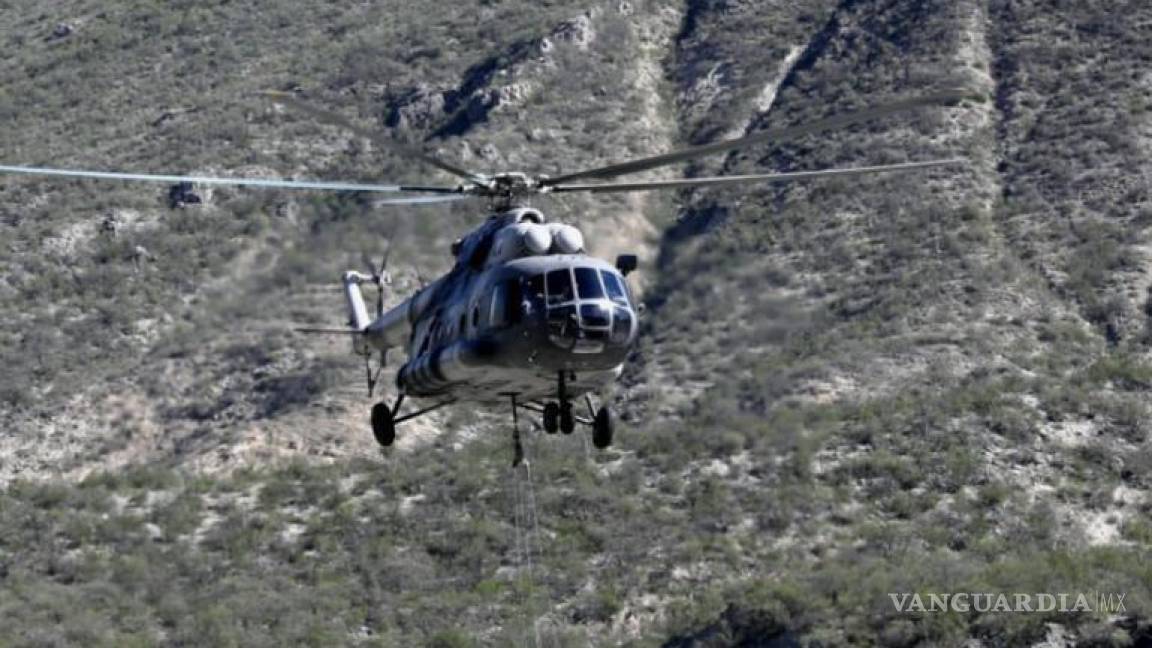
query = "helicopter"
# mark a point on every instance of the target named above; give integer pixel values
(525, 317)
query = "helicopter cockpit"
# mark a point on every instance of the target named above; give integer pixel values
(586, 308)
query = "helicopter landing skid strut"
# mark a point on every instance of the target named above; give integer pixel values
(385, 418)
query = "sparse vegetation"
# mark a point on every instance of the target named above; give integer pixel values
(846, 388)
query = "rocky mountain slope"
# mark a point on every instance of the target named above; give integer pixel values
(846, 388)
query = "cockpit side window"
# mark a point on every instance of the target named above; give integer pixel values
(615, 289)
(498, 309)
(559, 286)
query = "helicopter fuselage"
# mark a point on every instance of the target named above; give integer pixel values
(505, 333)
(523, 305)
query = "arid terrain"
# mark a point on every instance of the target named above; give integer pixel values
(936, 382)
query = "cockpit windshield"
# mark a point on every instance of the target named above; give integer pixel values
(588, 284)
(585, 306)
(559, 286)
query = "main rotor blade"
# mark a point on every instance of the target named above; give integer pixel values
(336, 119)
(278, 183)
(420, 200)
(738, 179)
(326, 331)
(773, 134)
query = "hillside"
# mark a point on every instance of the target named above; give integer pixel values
(845, 388)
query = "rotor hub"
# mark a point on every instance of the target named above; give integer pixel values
(505, 189)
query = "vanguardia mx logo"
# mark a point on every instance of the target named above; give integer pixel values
(1106, 602)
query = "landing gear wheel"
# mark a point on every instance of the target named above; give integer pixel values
(383, 426)
(567, 421)
(551, 417)
(602, 428)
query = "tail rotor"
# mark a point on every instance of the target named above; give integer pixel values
(380, 278)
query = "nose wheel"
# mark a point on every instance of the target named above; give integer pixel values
(559, 417)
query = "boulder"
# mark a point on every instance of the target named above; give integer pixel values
(417, 109)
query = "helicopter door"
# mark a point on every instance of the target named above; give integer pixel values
(512, 301)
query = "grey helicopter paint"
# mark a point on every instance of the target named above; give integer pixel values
(525, 316)
(523, 303)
